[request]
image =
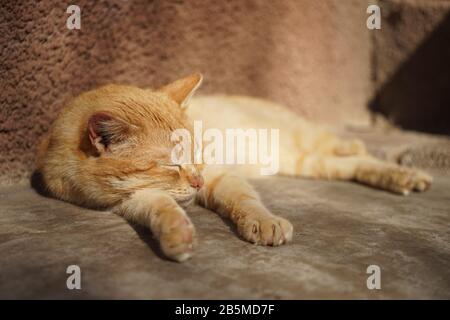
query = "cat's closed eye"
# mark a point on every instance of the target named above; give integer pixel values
(170, 166)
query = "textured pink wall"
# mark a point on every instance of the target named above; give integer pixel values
(313, 56)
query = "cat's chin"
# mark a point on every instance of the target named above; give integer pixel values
(186, 203)
(186, 200)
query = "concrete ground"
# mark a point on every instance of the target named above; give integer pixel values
(340, 229)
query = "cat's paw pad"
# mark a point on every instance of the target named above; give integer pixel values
(177, 240)
(406, 180)
(266, 230)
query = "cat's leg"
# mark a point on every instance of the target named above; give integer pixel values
(351, 147)
(168, 222)
(365, 169)
(325, 142)
(232, 197)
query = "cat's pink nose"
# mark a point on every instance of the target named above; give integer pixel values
(197, 183)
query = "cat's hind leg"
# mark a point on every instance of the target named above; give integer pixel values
(366, 170)
(345, 148)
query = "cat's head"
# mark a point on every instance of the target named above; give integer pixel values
(128, 135)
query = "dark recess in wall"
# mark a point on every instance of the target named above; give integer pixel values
(417, 95)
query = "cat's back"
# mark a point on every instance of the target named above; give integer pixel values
(294, 134)
(229, 111)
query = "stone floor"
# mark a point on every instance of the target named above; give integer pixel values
(340, 229)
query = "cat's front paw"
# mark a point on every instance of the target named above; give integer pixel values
(177, 238)
(266, 230)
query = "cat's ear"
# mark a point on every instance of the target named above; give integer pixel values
(182, 89)
(105, 131)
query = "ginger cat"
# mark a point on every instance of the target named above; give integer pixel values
(111, 148)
